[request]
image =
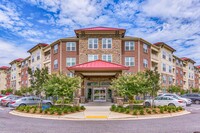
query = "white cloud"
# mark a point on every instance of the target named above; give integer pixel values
(10, 52)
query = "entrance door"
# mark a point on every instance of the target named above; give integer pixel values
(99, 94)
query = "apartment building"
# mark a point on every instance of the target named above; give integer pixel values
(3, 76)
(37, 56)
(15, 81)
(100, 54)
(166, 65)
(8, 78)
(25, 64)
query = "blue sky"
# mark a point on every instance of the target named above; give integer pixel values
(24, 23)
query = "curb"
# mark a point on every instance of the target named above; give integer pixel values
(95, 119)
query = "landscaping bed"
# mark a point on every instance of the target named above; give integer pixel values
(140, 110)
(53, 110)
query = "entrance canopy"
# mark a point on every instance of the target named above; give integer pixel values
(98, 68)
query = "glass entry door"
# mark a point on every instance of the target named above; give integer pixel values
(99, 94)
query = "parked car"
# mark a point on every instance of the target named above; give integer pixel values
(1, 95)
(194, 97)
(32, 100)
(8, 96)
(186, 100)
(165, 100)
(6, 102)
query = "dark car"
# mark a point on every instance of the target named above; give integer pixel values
(194, 97)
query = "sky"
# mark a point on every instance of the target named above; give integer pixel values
(25, 23)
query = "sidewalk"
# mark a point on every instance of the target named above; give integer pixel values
(98, 111)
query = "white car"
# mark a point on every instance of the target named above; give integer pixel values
(165, 100)
(186, 100)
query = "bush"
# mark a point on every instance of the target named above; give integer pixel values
(161, 110)
(82, 108)
(149, 112)
(154, 111)
(40, 110)
(27, 109)
(66, 110)
(173, 110)
(180, 108)
(122, 110)
(51, 112)
(45, 111)
(169, 111)
(127, 111)
(59, 112)
(141, 112)
(113, 107)
(135, 112)
(77, 108)
(72, 110)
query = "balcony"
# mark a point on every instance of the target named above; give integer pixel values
(154, 58)
(47, 58)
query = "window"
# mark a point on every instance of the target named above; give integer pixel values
(55, 64)
(145, 48)
(176, 71)
(33, 70)
(32, 58)
(55, 49)
(145, 63)
(70, 74)
(106, 43)
(129, 61)
(170, 69)
(71, 61)
(92, 57)
(93, 43)
(170, 80)
(181, 82)
(107, 57)
(170, 57)
(38, 66)
(181, 72)
(71, 46)
(129, 45)
(38, 55)
(164, 79)
(164, 67)
(164, 55)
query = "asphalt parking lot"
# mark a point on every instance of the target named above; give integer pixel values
(180, 124)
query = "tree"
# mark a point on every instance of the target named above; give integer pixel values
(38, 78)
(62, 86)
(174, 89)
(153, 82)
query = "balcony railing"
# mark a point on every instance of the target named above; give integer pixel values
(155, 57)
(46, 58)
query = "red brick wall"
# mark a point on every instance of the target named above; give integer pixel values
(55, 56)
(179, 77)
(69, 54)
(196, 81)
(133, 53)
(144, 55)
(24, 77)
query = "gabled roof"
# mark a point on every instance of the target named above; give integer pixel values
(37, 46)
(100, 28)
(17, 60)
(98, 65)
(4, 68)
(187, 59)
(198, 67)
(164, 44)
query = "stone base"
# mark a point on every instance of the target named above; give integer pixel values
(76, 102)
(120, 101)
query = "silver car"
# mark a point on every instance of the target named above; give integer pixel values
(6, 97)
(186, 100)
(32, 100)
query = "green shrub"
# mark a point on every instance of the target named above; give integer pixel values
(82, 108)
(72, 110)
(51, 112)
(142, 112)
(169, 111)
(40, 110)
(45, 111)
(173, 110)
(161, 110)
(127, 111)
(77, 108)
(135, 112)
(59, 112)
(154, 111)
(177, 109)
(180, 108)
(113, 107)
(149, 112)
(122, 110)
(66, 110)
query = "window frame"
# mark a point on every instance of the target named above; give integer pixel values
(107, 57)
(129, 61)
(70, 46)
(55, 49)
(145, 61)
(55, 64)
(128, 44)
(93, 55)
(106, 44)
(69, 61)
(93, 43)
(145, 48)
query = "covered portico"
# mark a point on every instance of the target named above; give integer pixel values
(97, 76)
